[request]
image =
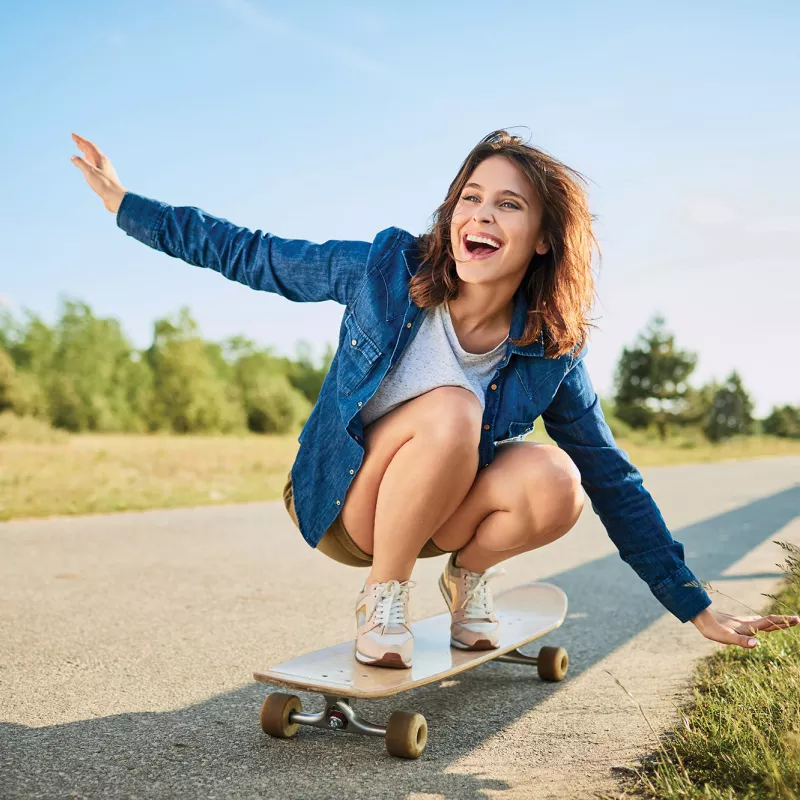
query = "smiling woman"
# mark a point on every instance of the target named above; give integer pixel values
(450, 342)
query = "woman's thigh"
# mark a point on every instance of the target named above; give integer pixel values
(382, 439)
(537, 486)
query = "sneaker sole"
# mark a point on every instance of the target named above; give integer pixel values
(392, 660)
(481, 644)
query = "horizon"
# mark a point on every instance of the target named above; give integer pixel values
(687, 146)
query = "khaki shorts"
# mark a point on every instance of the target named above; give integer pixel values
(336, 542)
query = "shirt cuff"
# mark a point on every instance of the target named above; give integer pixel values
(141, 218)
(682, 594)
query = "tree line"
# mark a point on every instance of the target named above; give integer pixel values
(83, 374)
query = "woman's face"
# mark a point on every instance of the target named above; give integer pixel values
(497, 202)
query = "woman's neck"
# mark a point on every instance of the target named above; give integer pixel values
(481, 317)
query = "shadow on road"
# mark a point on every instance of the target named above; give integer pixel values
(216, 749)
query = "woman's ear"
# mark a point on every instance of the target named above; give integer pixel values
(542, 247)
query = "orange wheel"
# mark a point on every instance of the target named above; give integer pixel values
(552, 663)
(275, 715)
(406, 734)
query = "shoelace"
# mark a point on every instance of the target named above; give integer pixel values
(478, 602)
(390, 608)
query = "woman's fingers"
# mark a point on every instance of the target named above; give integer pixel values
(732, 629)
(84, 167)
(774, 622)
(745, 628)
(90, 150)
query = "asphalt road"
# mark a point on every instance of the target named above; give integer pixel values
(128, 643)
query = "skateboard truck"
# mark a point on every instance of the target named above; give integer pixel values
(338, 715)
(406, 733)
(516, 657)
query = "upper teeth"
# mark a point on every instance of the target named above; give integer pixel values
(471, 237)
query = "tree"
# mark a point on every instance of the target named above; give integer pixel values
(188, 394)
(20, 390)
(651, 379)
(731, 411)
(272, 403)
(86, 377)
(697, 404)
(783, 421)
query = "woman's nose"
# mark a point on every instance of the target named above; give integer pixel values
(482, 214)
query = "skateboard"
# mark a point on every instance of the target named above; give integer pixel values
(525, 612)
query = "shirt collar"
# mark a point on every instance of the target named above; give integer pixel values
(536, 347)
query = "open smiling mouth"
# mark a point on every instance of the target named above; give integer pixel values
(477, 249)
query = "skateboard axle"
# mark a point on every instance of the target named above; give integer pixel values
(338, 715)
(515, 657)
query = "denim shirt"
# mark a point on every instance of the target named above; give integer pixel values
(371, 281)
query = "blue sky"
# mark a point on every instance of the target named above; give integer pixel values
(334, 121)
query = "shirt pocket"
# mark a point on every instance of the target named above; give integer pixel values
(359, 356)
(517, 430)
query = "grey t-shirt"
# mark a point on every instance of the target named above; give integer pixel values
(433, 358)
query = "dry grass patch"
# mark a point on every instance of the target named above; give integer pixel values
(93, 473)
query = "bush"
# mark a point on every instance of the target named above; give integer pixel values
(274, 406)
(14, 428)
(784, 422)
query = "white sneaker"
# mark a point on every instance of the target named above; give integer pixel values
(474, 625)
(384, 637)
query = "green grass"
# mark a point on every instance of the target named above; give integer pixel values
(740, 739)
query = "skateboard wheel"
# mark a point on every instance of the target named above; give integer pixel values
(406, 734)
(275, 715)
(552, 663)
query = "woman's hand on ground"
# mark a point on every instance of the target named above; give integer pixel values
(99, 173)
(734, 629)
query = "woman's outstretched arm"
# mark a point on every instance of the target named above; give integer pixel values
(575, 421)
(299, 270)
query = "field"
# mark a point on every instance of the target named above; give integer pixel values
(92, 473)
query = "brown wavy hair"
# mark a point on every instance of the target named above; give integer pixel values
(559, 286)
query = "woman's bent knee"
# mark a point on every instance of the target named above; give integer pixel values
(450, 416)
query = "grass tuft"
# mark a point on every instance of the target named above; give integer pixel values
(740, 740)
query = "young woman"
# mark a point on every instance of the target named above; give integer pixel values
(451, 344)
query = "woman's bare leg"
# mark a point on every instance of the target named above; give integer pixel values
(420, 462)
(529, 496)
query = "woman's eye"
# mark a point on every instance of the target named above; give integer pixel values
(510, 202)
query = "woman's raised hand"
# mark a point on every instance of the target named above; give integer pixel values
(99, 173)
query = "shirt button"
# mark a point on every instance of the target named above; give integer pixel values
(338, 502)
(408, 325)
(352, 472)
(354, 342)
(486, 427)
(356, 438)
(359, 402)
(485, 465)
(494, 386)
